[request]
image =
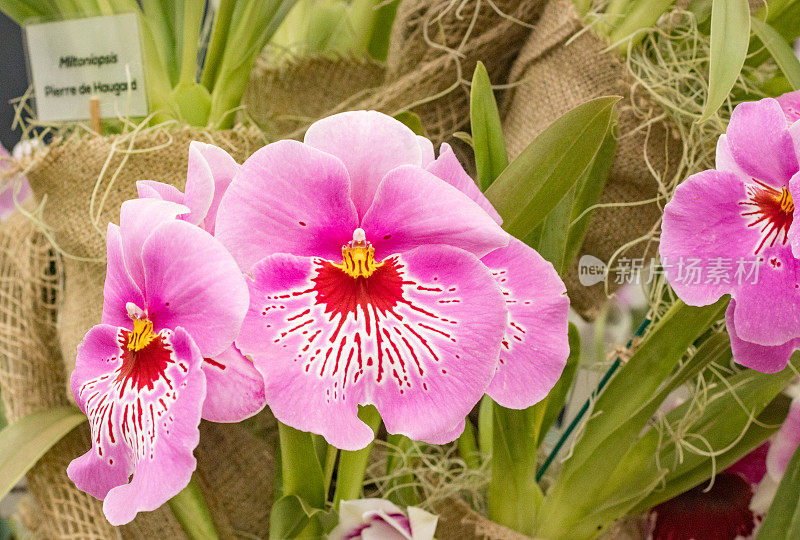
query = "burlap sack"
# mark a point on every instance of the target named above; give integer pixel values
(41, 285)
(433, 52)
(563, 65)
(283, 100)
(458, 521)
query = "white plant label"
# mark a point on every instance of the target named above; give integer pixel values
(74, 60)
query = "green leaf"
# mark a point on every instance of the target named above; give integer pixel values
(531, 186)
(290, 515)
(780, 51)
(23, 442)
(555, 400)
(589, 188)
(412, 121)
(192, 513)
(730, 38)
(378, 47)
(353, 464)
(19, 11)
(783, 518)
(487, 133)
(643, 14)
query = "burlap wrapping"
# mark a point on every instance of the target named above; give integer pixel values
(41, 285)
(458, 521)
(433, 52)
(284, 99)
(563, 65)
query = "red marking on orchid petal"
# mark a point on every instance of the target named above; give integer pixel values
(719, 513)
(218, 365)
(142, 367)
(771, 209)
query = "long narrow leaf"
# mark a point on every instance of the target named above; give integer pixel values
(780, 51)
(528, 189)
(192, 513)
(730, 38)
(23, 442)
(783, 518)
(487, 133)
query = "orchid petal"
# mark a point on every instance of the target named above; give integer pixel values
(370, 144)
(702, 223)
(790, 105)
(193, 282)
(223, 169)
(150, 189)
(414, 208)
(199, 185)
(763, 358)
(287, 198)
(144, 413)
(768, 312)
(426, 147)
(448, 168)
(419, 339)
(235, 387)
(785, 443)
(758, 135)
(794, 230)
(119, 288)
(138, 218)
(535, 347)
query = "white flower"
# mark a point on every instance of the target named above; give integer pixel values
(379, 519)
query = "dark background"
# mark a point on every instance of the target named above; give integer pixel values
(13, 78)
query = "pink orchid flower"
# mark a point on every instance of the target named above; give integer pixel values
(741, 216)
(173, 297)
(211, 170)
(380, 275)
(12, 190)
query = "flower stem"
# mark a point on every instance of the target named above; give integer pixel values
(401, 489)
(353, 464)
(468, 448)
(514, 495)
(191, 511)
(301, 473)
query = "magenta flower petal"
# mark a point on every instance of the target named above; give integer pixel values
(758, 135)
(790, 105)
(223, 169)
(150, 189)
(764, 358)
(143, 399)
(418, 338)
(137, 220)
(769, 313)
(193, 282)
(428, 155)
(785, 443)
(724, 161)
(370, 144)
(704, 222)
(535, 348)
(287, 198)
(119, 288)
(414, 208)
(794, 229)
(235, 389)
(199, 185)
(448, 168)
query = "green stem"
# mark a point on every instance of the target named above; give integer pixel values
(216, 47)
(330, 464)
(300, 468)
(191, 511)
(353, 464)
(468, 448)
(401, 488)
(486, 425)
(192, 21)
(514, 496)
